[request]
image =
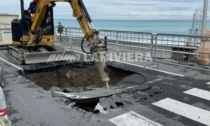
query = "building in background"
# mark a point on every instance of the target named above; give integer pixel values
(5, 28)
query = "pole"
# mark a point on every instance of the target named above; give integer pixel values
(60, 37)
(205, 9)
(22, 9)
(105, 41)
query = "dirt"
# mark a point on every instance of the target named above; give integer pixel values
(74, 78)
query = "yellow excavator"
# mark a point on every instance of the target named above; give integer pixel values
(33, 41)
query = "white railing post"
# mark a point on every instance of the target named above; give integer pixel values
(66, 34)
(117, 42)
(70, 38)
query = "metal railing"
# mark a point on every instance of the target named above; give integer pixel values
(132, 42)
(179, 49)
(117, 41)
(168, 48)
(127, 41)
(167, 45)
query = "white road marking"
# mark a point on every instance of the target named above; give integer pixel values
(166, 72)
(132, 119)
(188, 111)
(208, 83)
(11, 64)
(199, 93)
(156, 80)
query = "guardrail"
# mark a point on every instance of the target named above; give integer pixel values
(118, 41)
(179, 49)
(168, 48)
(127, 41)
(132, 42)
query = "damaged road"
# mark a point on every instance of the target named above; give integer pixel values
(29, 104)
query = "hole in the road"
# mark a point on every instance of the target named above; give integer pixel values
(94, 106)
(119, 104)
(73, 78)
(88, 106)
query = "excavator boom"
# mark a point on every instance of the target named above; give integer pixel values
(79, 11)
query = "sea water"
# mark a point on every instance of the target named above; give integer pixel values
(154, 26)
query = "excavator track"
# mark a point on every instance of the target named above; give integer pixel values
(17, 54)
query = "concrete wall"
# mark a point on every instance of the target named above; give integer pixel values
(7, 18)
(5, 26)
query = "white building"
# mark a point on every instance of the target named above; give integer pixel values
(5, 28)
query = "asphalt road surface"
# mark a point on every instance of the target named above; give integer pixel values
(181, 98)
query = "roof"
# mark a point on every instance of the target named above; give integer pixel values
(2, 14)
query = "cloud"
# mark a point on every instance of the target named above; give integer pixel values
(121, 9)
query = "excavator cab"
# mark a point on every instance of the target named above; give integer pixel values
(43, 39)
(22, 27)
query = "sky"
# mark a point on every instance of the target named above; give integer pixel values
(122, 9)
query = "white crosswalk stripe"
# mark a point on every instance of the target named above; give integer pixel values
(208, 83)
(199, 93)
(188, 111)
(183, 109)
(132, 119)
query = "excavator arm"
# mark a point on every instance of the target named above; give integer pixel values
(90, 34)
(79, 11)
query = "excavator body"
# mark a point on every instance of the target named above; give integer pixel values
(26, 53)
(34, 39)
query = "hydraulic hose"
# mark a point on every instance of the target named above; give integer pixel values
(82, 46)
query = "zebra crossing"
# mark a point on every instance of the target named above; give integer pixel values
(199, 93)
(177, 107)
(185, 110)
(191, 112)
(132, 119)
